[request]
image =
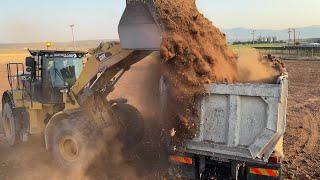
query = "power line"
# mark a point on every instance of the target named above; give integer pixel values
(294, 36)
(253, 33)
(289, 31)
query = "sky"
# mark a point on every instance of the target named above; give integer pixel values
(49, 20)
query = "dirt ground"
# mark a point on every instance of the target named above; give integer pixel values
(302, 144)
(31, 161)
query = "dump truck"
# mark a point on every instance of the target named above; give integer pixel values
(241, 129)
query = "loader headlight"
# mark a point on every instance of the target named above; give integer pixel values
(64, 90)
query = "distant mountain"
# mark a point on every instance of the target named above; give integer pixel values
(235, 34)
(244, 34)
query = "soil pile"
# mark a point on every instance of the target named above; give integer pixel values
(194, 53)
(195, 49)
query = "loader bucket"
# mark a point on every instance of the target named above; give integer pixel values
(138, 27)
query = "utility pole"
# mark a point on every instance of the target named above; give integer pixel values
(253, 33)
(289, 31)
(236, 38)
(294, 36)
(73, 39)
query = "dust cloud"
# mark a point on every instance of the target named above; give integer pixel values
(113, 159)
(108, 160)
(252, 67)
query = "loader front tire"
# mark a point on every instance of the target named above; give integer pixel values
(71, 142)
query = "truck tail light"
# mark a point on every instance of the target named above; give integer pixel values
(264, 172)
(181, 159)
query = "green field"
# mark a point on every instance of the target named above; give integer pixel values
(296, 53)
(238, 47)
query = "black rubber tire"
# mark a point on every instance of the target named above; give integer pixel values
(132, 123)
(9, 122)
(77, 128)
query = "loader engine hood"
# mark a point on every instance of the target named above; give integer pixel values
(139, 27)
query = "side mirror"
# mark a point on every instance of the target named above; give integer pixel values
(30, 62)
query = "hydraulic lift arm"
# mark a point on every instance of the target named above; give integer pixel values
(103, 70)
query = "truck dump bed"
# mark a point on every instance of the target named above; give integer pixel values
(241, 121)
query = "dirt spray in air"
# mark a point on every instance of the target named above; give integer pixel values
(252, 67)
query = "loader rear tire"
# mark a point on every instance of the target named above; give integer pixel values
(72, 142)
(10, 124)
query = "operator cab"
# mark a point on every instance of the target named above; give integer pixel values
(51, 71)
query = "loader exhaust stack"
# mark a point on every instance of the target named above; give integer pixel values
(139, 28)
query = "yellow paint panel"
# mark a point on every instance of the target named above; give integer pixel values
(93, 67)
(17, 95)
(279, 148)
(18, 98)
(35, 125)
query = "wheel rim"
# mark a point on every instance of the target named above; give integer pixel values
(69, 148)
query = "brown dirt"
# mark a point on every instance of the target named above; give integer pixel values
(195, 49)
(302, 143)
(194, 53)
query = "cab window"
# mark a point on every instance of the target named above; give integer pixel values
(63, 71)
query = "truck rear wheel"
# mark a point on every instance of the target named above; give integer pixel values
(71, 142)
(9, 124)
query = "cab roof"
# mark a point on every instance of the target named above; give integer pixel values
(52, 52)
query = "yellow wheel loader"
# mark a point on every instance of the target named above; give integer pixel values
(56, 94)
